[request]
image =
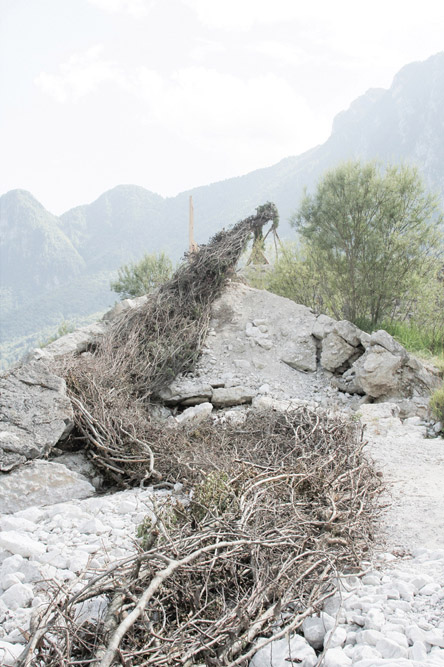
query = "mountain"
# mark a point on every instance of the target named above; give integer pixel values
(60, 268)
(35, 254)
(108, 232)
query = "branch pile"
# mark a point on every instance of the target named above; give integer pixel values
(280, 503)
(147, 348)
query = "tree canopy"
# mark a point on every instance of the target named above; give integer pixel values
(138, 278)
(371, 234)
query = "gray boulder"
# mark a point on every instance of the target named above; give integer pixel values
(41, 483)
(323, 326)
(385, 340)
(227, 396)
(348, 331)
(335, 352)
(377, 371)
(35, 413)
(73, 343)
(301, 354)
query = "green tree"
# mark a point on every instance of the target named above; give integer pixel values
(290, 275)
(372, 236)
(138, 278)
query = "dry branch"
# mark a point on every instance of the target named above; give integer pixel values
(277, 508)
(145, 349)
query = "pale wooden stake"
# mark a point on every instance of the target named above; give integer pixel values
(192, 244)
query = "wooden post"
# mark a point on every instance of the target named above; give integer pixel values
(192, 243)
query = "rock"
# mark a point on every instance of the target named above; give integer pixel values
(418, 652)
(374, 619)
(323, 326)
(9, 653)
(186, 392)
(197, 413)
(20, 544)
(22, 524)
(364, 652)
(77, 462)
(76, 342)
(266, 343)
(35, 413)
(301, 355)
(336, 657)
(123, 306)
(284, 652)
(9, 580)
(365, 339)
(369, 637)
(41, 483)
(335, 637)
(390, 649)
(385, 340)
(228, 396)
(18, 595)
(377, 371)
(335, 352)
(348, 331)
(314, 631)
(435, 637)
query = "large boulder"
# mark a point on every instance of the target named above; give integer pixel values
(41, 483)
(377, 371)
(301, 353)
(72, 343)
(35, 413)
(335, 351)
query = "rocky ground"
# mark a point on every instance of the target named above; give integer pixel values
(262, 350)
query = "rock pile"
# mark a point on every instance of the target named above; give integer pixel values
(262, 344)
(62, 544)
(393, 615)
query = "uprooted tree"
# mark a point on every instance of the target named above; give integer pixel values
(279, 502)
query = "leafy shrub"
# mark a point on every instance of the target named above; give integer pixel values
(139, 278)
(437, 405)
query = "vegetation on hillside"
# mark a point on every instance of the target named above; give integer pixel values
(139, 278)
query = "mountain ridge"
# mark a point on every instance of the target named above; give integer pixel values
(402, 124)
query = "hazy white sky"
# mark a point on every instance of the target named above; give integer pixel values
(171, 94)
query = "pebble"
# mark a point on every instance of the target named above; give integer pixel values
(58, 543)
(392, 616)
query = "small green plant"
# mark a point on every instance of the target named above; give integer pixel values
(144, 533)
(139, 278)
(437, 405)
(213, 494)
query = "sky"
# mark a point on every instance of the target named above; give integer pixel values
(173, 94)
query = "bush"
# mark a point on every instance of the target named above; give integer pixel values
(291, 275)
(437, 405)
(372, 237)
(139, 278)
